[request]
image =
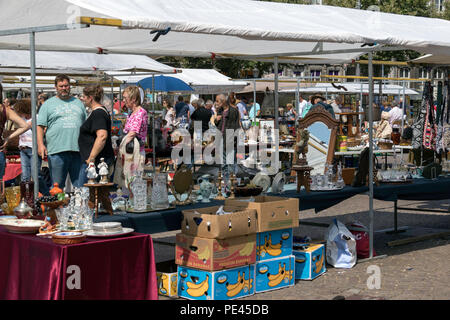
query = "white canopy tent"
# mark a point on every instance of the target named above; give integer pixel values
(230, 28)
(221, 27)
(203, 81)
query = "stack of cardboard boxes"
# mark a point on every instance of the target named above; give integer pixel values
(277, 216)
(216, 254)
(246, 251)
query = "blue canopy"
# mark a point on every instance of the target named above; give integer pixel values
(165, 84)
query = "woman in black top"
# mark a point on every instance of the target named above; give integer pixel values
(95, 136)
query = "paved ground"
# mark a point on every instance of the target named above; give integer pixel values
(418, 270)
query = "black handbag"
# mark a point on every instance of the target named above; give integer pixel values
(129, 148)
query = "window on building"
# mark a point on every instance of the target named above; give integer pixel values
(438, 74)
(439, 4)
(404, 73)
(424, 73)
(315, 74)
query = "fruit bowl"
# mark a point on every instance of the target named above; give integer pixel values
(55, 204)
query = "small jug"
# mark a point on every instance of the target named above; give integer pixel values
(206, 187)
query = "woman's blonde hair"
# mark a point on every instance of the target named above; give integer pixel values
(133, 94)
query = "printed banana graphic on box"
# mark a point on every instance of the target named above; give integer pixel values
(247, 249)
(205, 254)
(198, 289)
(274, 273)
(241, 284)
(318, 263)
(273, 244)
(275, 280)
(161, 280)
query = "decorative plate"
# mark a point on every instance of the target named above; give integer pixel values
(262, 180)
(96, 234)
(278, 182)
(23, 225)
(106, 225)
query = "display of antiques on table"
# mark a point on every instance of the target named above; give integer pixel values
(329, 181)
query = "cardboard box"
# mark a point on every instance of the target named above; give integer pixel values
(274, 274)
(205, 223)
(309, 261)
(166, 274)
(226, 284)
(273, 244)
(215, 254)
(274, 213)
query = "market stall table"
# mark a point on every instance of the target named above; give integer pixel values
(34, 268)
(169, 220)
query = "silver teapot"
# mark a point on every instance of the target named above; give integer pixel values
(23, 210)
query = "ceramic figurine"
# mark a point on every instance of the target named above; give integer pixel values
(103, 171)
(91, 173)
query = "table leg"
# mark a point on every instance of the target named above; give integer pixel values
(396, 228)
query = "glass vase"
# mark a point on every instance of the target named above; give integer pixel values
(160, 196)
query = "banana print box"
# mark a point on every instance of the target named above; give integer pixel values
(166, 274)
(309, 261)
(273, 244)
(227, 284)
(274, 274)
(215, 254)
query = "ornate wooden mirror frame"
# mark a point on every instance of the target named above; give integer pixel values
(319, 114)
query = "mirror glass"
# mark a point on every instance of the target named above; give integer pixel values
(319, 139)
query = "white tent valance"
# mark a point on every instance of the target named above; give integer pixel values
(203, 81)
(433, 59)
(82, 61)
(354, 88)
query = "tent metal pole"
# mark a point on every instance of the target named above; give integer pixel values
(371, 154)
(254, 101)
(313, 53)
(33, 115)
(153, 124)
(403, 107)
(275, 66)
(112, 99)
(297, 97)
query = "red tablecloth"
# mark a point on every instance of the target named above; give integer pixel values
(12, 170)
(33, 268)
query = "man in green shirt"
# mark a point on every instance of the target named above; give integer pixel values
(60, 119)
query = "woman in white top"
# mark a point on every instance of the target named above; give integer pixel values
(170, 114)
(23, 110)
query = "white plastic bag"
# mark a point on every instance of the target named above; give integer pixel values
(341, 246)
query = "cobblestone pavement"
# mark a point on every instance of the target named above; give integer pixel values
(417, 270)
